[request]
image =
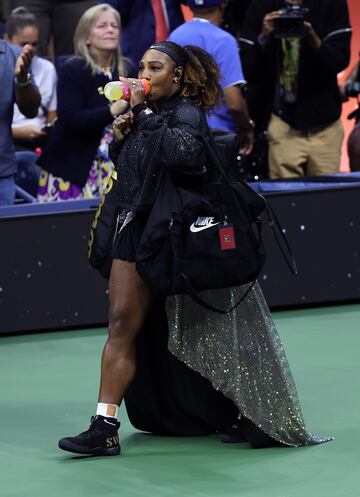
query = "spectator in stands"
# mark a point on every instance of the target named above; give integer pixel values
(351, 89)
(21, 29)
(57, 19)
(143, 23)
(75, 161)
(292, 82)
(234, 15)
(2, 18)
(13, 62)
(204, 31)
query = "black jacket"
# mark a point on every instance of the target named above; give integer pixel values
(319, 101)
(82, 116)
(165, 139)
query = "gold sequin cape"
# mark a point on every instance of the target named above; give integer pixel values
(242, 355)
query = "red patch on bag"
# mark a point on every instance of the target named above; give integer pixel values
(227, 237)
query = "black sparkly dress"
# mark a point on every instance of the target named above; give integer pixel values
(198, 372)
(163, 140)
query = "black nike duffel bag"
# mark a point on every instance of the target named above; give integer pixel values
(204, 238)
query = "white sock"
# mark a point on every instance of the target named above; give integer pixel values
(108, 410)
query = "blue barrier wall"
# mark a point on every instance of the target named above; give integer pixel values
(46, 281)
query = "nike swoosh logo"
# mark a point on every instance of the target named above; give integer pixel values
(108, 422)
(195, 229)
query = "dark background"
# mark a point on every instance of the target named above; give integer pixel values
(46, 282)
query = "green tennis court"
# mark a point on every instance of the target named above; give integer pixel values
(48, 388)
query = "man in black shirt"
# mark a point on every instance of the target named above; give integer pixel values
(291, 67)
(234, 15)
(57, 19)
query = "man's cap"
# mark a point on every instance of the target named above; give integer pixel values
(198, 4)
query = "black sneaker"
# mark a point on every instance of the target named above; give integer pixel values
(232, 435)
(101, 439)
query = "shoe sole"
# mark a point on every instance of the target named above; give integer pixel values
(232, 439)
(96, 451)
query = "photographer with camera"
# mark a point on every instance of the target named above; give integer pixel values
(292, 51)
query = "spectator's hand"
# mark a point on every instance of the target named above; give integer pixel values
(137, 91)
(268, 26)
(311, 36)
(122, 125)
(28, 133)
(248, 143)
(23, 63)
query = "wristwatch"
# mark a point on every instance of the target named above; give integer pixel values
(22, 84)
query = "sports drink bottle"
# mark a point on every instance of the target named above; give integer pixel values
(114, 90)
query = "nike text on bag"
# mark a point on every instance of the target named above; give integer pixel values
(203, 239)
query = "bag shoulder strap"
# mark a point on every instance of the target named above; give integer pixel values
(287, 254)
(197, 297)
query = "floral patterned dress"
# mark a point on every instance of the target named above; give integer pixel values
(52, 188)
